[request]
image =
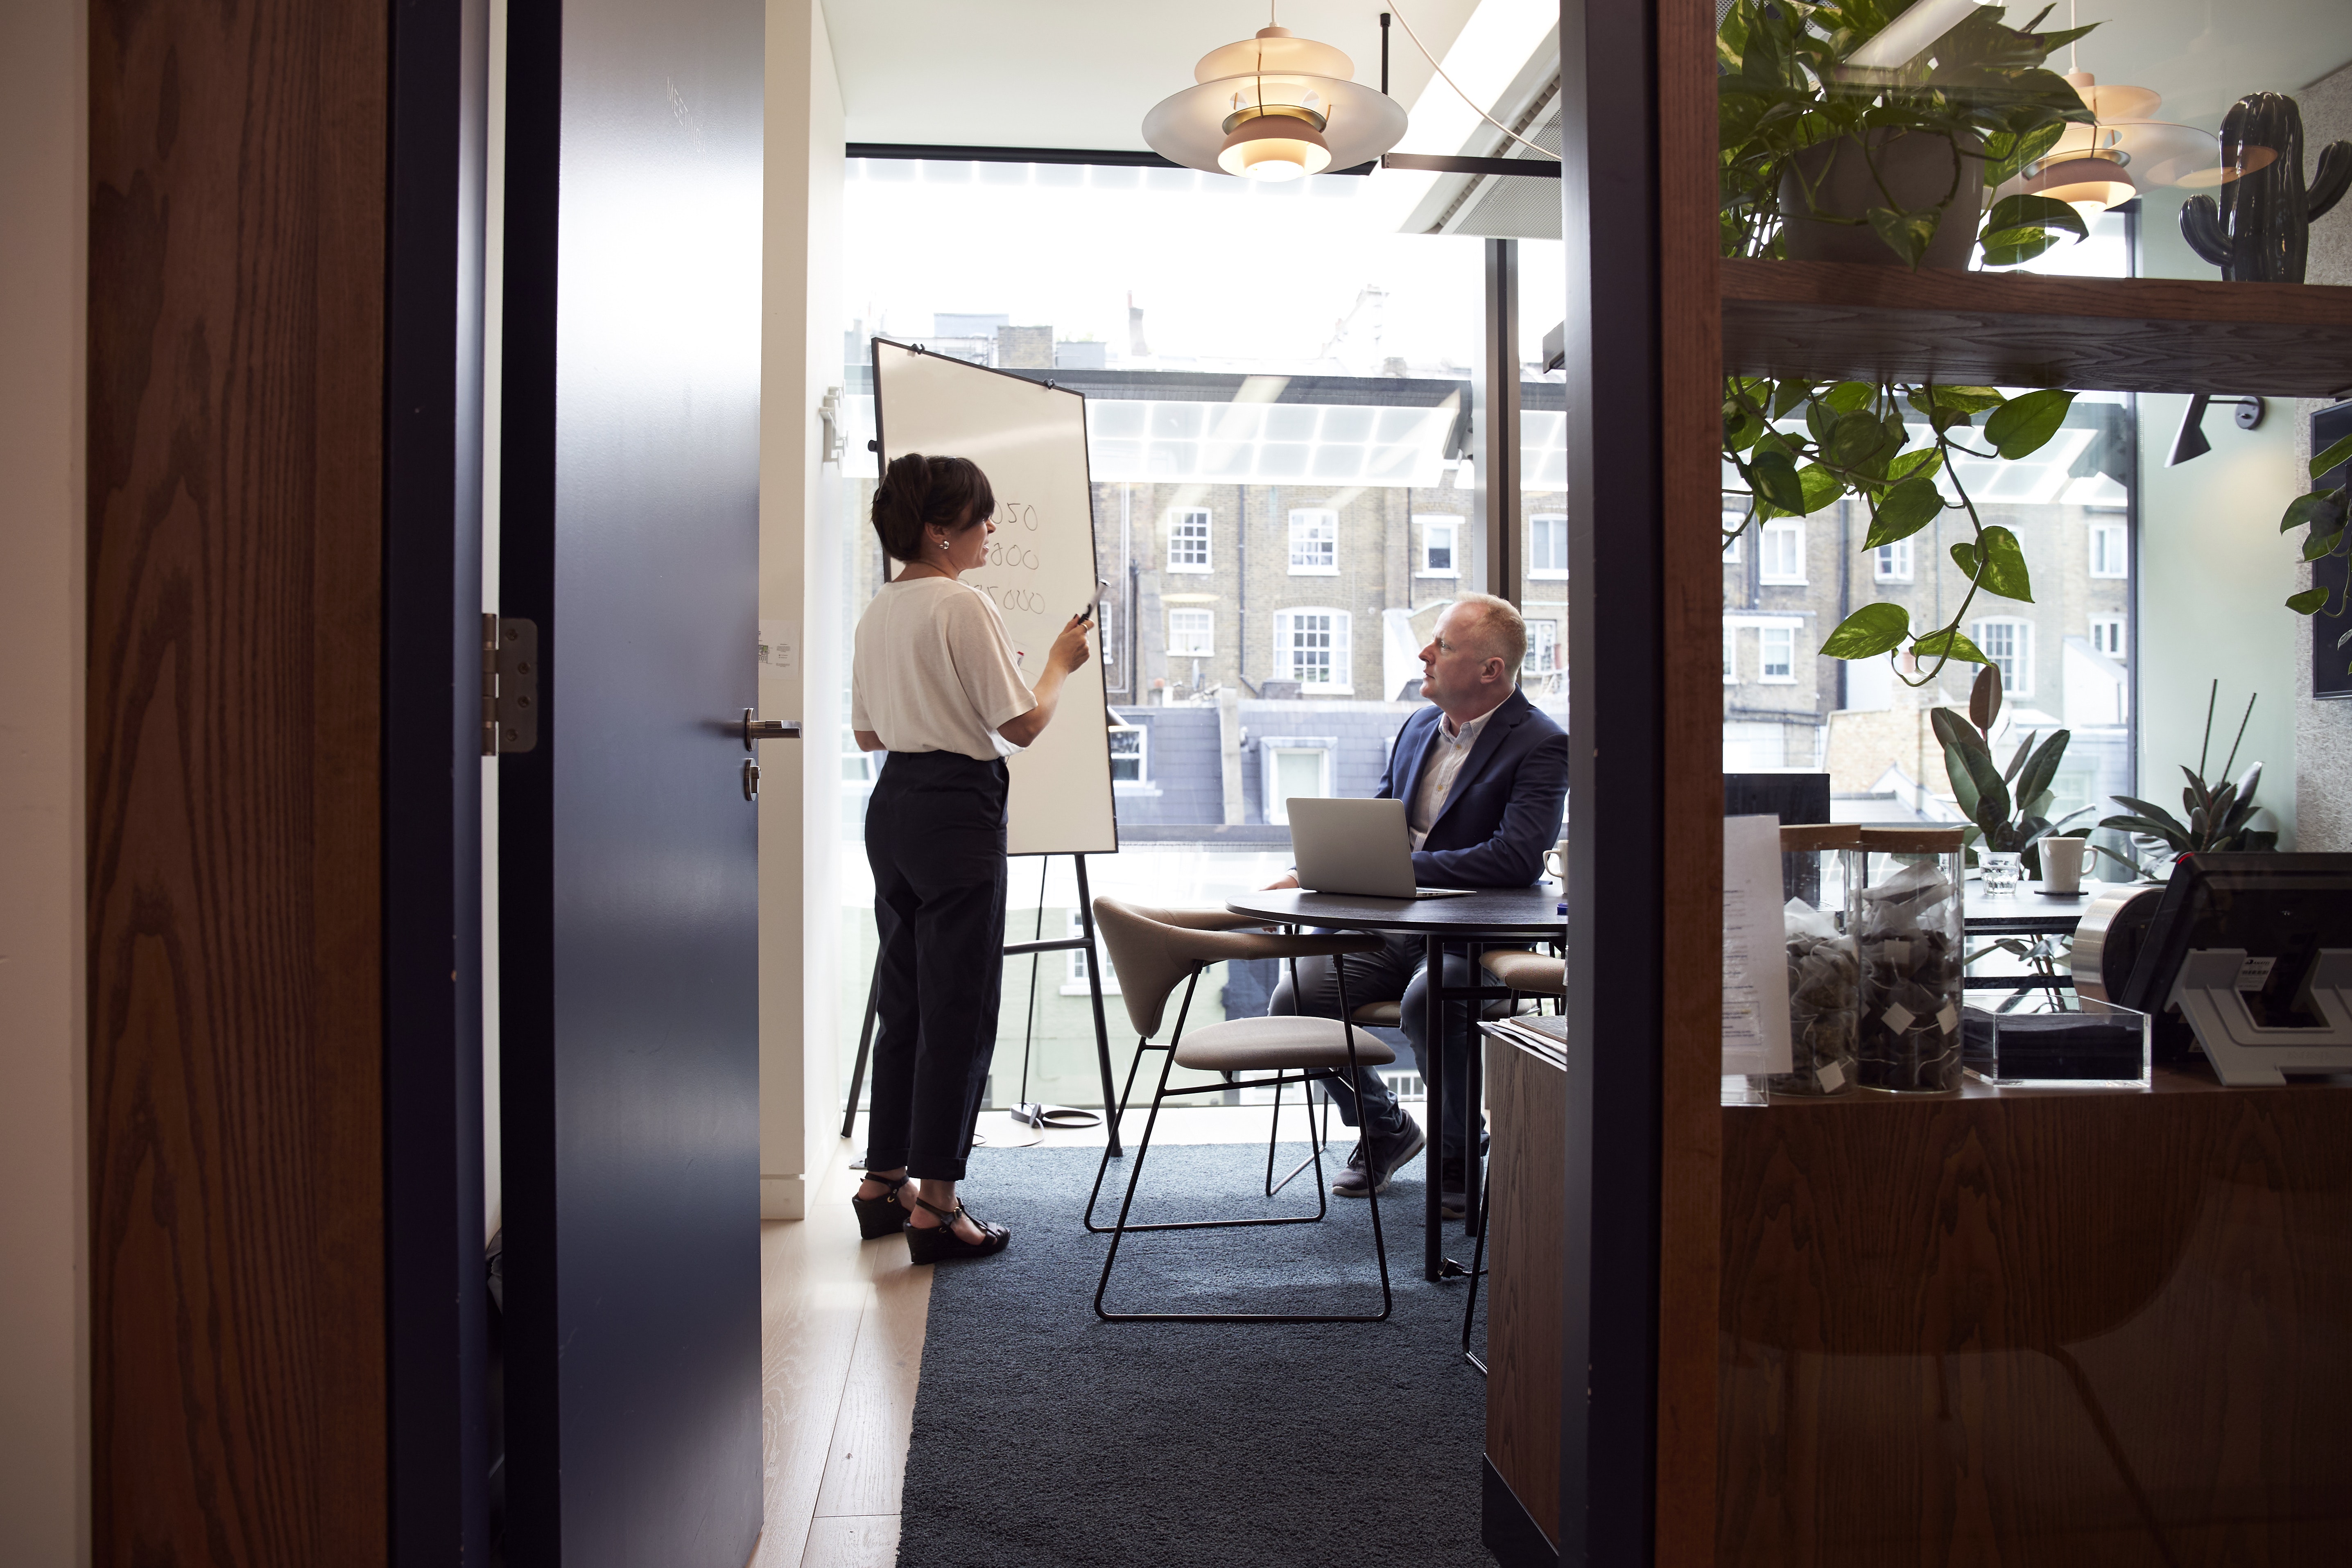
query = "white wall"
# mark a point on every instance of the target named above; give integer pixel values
(799, 532)
(43, 1259)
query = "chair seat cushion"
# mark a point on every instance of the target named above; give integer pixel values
(1255, 1045)
(1386, 1015)
(1529, 971)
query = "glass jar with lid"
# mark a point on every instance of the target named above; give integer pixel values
(1817, 871)
(1904, 911)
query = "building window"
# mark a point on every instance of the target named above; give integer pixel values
(1778, 650)
(2107, 634)
(1129, 748)
(1893, 562)
(1294, 765)
(1543, 648)
(1191, 634)
(1547, 545)
(2009, 644)
(1734, 522)
(1188, 540)
(1314, 543)
(1731, 655)
(1441, 539)
(1310, 647)
(1074, 980)
(2109, 556)
(1783, 551)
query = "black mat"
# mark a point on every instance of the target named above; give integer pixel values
(1044, 1436)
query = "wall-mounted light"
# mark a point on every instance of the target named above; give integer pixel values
(1273, 107)
(2191, 441)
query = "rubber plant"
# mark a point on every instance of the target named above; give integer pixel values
(1800, 446)
(2008, 808)
(2322, 511)
(2218, 813)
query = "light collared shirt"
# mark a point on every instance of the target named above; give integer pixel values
(1449, 748)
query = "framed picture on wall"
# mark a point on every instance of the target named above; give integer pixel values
(2331, 628)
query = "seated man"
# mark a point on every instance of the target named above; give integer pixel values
(1483, 776)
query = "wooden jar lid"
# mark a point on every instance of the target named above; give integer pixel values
(1920, 840)
(1797, 836)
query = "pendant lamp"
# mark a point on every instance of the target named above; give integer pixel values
(2102, 165)
(1273, 107)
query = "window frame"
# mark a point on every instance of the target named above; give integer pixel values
(1451, 524)
(1896, 554)
(2100, 530)
(1735, 508)
(2022, 655)
(1764, 638)
(2122, 625)
(1075, 961)
(1142, 733)
(1205, 613)
(1730, 653)
(1313, 516)
(1547, 574)
(1179, 517)
(1343, 649)
(1271, 750)
(1784, 527)
(1545, 641)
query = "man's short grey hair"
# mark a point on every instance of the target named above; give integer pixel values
(1502, 632)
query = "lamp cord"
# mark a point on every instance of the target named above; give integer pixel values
(1545, 152)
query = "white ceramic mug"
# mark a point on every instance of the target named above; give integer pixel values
(2063, 864)
(1556, 861)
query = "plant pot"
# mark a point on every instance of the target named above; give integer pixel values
(1917, 170)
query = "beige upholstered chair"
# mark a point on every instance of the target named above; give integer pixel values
(1529, 973)
(1153, 951)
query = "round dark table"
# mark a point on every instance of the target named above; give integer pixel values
(1486, 916)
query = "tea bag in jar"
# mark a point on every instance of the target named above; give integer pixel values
(1906, 920)
(1825, 969)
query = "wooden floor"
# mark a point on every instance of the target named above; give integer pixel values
(842, 1323)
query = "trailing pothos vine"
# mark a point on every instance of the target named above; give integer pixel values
(1784, 86)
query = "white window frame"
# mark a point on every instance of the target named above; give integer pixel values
(2110, 549)
(1764, 638)
(1074, 973)
(1535, 530)
(2017, 666)
(1275, 747)
(1735, 515)
(1196, 617)
(2119, 625)
(1304, 521)
(1142, 733)
(1543, 649)
(1452, 525)
(1730, 654)
(1179, 519)
(1789, 528)
(1285, 666)
(1892, 563)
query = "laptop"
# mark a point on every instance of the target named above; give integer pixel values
(1357, 847)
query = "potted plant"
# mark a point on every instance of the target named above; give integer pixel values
(2218, 814)
(2008, 808)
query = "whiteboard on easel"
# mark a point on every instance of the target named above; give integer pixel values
(1030, 440)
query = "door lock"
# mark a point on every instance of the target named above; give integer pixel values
(750, 779)
(756, 729)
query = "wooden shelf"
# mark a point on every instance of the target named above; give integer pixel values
(1824, 318)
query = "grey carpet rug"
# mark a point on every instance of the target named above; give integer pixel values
(1045, 1437)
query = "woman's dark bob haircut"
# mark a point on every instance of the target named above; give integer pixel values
(920, 497)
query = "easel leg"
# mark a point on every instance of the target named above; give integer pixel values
(864, 1046)
(1094, 992)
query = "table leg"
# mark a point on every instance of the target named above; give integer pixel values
(1433, 1034)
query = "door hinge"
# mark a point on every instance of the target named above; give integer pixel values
(510, 685)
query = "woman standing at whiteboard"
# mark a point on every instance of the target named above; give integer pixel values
(935, 682)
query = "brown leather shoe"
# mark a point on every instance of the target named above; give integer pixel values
(1359, 1180)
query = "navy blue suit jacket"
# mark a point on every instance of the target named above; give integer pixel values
(1504, 810)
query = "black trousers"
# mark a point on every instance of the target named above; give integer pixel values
(935, 838)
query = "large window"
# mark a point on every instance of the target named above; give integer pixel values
(1547, 545)
(1188, 540)
(2008, 643)
(1191, 634)
(1314, 543)
(1310, 647)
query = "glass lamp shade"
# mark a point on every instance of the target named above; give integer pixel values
(1274, 147)
(2089, 185)
(1271, 112)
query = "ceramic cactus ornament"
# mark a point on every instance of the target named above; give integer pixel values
(2259, 230)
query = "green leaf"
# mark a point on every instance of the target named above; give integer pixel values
(1819, 420)
(2308, 602)
(2004, 564)
(1904, 511)
(2024, 424)
(1984, 699)
(1964, 556)
(1969, 399)
(1853, 439)
(2319, 507)
(1774, 474)
(1950, 642)
(1787, 396)
(2033, 784)
(2339, 453)
(1821, 487)
(2320, 545)
(1871, 630)
(2035, 212)
(1923, 464)
(1848, 396)
(1906, 234)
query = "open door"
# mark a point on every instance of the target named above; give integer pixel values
(627, 832)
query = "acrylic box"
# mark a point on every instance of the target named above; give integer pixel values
(2055, 1039)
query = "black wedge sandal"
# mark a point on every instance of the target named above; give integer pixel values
(884, 1216)
(944, 1246)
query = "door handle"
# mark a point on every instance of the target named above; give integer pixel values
(757, 728)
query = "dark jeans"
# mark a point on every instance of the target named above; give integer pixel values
(935, 837)
(1393, 972)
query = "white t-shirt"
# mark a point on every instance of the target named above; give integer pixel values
(934, 670)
